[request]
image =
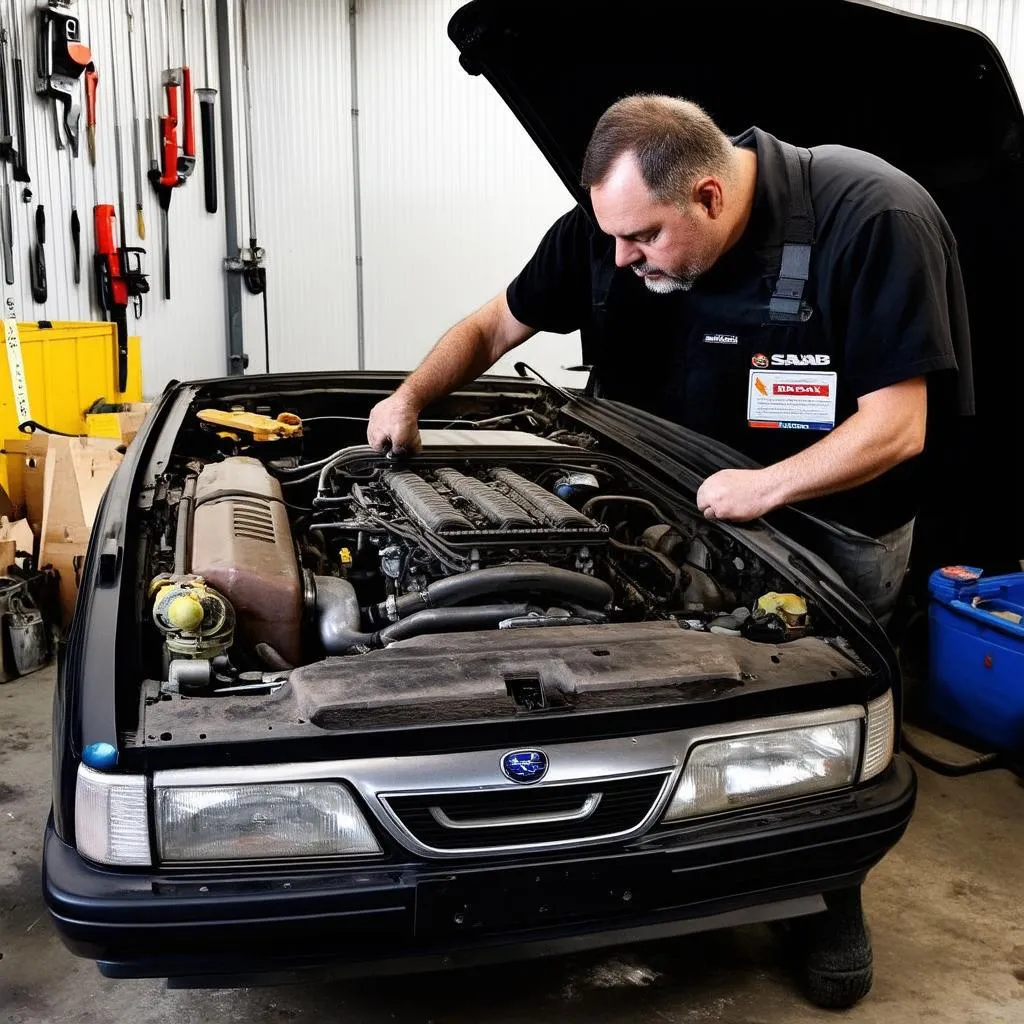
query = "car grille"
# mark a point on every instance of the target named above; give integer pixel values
(498, 819)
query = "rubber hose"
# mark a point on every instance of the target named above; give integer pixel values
(465, 586)
(982, 763)
(271, 658)
(443, 620)
(183, 533)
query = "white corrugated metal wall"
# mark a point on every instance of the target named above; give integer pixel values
(302, 138)
(454, 196)
(185, 336)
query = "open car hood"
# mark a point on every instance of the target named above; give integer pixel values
(933, 98)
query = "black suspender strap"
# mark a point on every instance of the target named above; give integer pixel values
(786, 304)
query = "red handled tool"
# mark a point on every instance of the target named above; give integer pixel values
(111, 285)
(187, 159)
(175, 167)
(119, 275)
(91, 81)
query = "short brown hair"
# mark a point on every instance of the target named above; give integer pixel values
(674, 142)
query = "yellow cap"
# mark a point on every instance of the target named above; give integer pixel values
(185, 612)
(790, 607)
(346, 556)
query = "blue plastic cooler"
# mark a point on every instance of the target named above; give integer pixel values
(976, 654)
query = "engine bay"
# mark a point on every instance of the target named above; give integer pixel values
(277, 545)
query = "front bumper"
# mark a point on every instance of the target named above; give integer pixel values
(224, 927)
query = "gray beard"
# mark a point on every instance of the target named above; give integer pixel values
(665, 285)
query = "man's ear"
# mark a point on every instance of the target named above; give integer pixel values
(707, 194)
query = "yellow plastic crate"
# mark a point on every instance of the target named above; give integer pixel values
(67, 367)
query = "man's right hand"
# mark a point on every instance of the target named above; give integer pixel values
(393, 426)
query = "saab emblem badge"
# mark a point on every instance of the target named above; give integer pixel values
(760, 361)
(525, 765)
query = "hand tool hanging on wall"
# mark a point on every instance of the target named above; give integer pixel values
(175, 168)
(111, 284)
(119, 275)
(187, 156)
(37, 261)
(249, 262)
(206, 96)
(152, 139)
(92, 80)
(8, 155)
(61, 59)
(20, 165)
(136, 145)
(130, 256)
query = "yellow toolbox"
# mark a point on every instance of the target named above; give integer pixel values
(68, 366)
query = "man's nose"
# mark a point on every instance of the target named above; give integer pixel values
(626, 252)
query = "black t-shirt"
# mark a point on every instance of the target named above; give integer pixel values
(887, 304)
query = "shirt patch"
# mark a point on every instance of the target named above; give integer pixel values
(721, 339)
(791, 401)
(796, 359)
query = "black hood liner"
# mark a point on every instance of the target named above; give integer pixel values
(933, 98)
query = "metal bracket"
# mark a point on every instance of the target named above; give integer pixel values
(245, 260)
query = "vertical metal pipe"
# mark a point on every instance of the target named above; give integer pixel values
(250, 158)
(356, 188)
(236, 360)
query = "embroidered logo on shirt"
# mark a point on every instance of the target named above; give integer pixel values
(721, 339)
(760, 361)
(795, 359)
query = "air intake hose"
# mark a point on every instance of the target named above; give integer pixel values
(338, 619)
(443, 620)
(501, 579)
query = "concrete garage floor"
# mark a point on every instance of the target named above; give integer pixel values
(945, 909)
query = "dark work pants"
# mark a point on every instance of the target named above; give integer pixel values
(874, 572)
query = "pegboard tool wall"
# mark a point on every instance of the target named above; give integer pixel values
(183, 337)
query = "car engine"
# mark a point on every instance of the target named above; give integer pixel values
(269, 561)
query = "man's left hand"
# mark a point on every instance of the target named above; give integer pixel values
(738, 495)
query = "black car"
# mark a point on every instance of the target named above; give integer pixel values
(323, 711)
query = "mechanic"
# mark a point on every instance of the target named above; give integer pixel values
(805, 307)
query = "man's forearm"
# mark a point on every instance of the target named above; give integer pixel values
(888, 427)
(857, 451)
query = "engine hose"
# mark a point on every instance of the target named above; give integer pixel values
(271, 658)
(183, 532)
(445, 620)
(954, 769)
(464, 586)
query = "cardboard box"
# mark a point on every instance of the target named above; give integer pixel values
(123, 425)
(76, 473)
(15, 537)
(25, 456)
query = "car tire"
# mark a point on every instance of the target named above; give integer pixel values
(834, 956)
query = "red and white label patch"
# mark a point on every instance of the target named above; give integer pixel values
(792, 400)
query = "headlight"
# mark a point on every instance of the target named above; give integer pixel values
(724, 775)
(111, 826)
(256, 821)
